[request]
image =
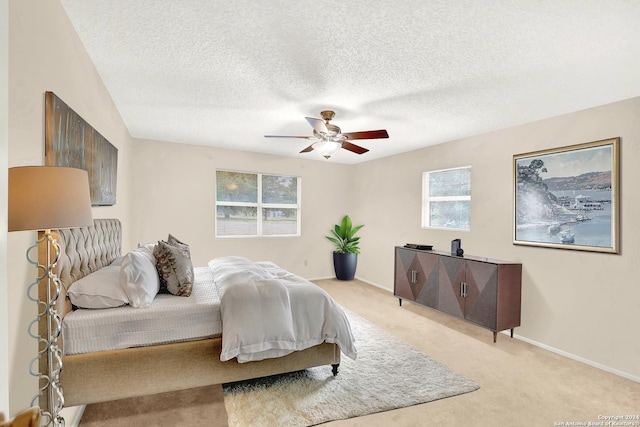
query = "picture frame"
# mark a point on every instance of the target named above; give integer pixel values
(72, 142)
(568, 197)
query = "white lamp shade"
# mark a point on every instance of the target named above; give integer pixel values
(48, 197)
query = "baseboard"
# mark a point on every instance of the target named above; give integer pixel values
(355, 278)
(72, 415)
(368, 282)
(578, 358)
(547, 347)
(321, 278)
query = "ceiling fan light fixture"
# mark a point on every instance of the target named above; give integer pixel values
(329, 136)
(332, 130)
(326, 148)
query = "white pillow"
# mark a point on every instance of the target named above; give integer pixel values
(101, 289)
(139, 277)
(148, 248)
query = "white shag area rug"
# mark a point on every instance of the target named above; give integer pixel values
(388, 374)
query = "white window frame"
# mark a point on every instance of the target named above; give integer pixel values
(259, 205)
(426, 200)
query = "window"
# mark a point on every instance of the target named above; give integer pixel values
(254, 204)
(446, 199)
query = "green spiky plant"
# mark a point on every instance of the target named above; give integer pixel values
(344, 237)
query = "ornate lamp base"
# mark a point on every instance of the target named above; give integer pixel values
(47, 323)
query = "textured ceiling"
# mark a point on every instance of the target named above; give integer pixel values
(225, 73)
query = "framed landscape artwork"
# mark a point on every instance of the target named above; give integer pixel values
(71, 142)
(568, 197)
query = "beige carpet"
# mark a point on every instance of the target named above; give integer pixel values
(202, 406)
(387, 374)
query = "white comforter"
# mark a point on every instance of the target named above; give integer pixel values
(268, 312)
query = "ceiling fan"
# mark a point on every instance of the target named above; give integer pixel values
(330, 137)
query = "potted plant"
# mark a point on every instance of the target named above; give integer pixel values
(345, 256)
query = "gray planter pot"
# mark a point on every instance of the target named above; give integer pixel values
(345, 265)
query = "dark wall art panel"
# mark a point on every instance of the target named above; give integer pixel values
(71, 142)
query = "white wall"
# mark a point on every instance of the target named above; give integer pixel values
(175, 193)
(581, 303)
(45, 54)
(4, 154)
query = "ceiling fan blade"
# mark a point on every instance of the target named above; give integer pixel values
(318, 125)
(287, 136)
(309, 148)
(369, 134)
(353, 148)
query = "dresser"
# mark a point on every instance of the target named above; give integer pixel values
(482, 291)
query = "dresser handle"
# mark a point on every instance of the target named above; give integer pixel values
(414, 276)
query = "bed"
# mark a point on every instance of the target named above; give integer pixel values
(106, 375)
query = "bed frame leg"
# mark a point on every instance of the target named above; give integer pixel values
(334, 369)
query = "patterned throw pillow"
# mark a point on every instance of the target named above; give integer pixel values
(182, 246)
(178, 244)
(174, 268)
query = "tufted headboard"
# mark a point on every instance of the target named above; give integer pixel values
(82, 251)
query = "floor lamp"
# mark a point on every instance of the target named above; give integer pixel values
(44, 198)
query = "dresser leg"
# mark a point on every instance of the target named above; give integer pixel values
(495, 336)
(400, 301)
(512, 332)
